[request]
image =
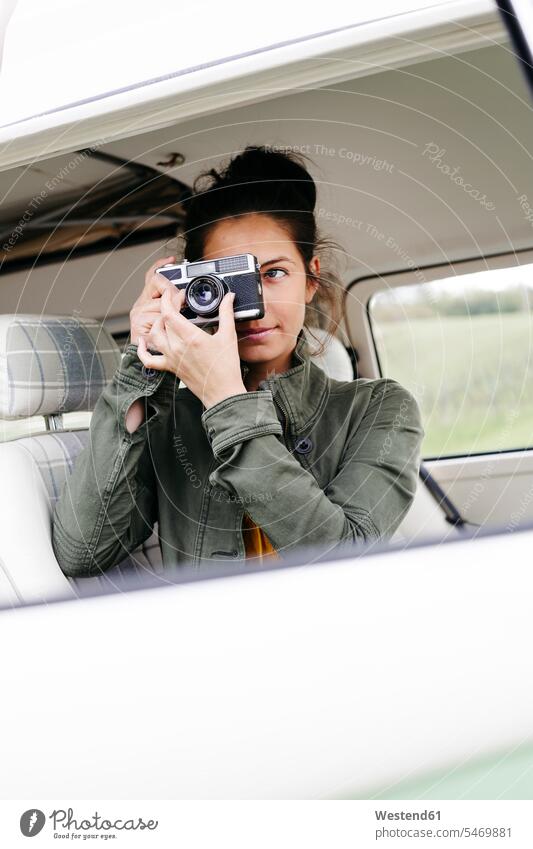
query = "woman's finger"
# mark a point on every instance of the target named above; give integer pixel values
(158, 263)
(155, 283)
(158, 285)
(148, 310)
(226, 315)
(155, 361)
(171, 306)
(157, 338)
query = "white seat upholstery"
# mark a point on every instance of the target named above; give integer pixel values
(49, 364)
(425, 521)
(335, 359)
(36, 467)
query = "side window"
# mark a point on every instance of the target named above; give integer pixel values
(464, 347)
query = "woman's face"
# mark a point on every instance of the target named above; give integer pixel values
(286, 287)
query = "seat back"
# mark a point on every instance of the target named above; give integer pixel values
(425, 521)
(49, 365)
(334, 359)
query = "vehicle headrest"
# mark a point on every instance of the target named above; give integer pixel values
(335, 359)
(53, 364)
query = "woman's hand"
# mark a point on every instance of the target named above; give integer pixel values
(147, 307)
(208, 364)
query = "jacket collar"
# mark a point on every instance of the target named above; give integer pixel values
(301, 391)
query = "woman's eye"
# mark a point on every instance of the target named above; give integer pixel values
(275, 273)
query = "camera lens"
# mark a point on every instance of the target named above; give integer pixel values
(204, 294)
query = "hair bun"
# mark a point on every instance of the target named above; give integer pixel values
(280, 173)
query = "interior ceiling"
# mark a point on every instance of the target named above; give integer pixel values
(475, 107)
(380, 195)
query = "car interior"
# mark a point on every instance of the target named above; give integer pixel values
(425, 183)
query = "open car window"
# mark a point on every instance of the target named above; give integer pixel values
(464, 347)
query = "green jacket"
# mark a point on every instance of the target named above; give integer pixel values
(312, 460)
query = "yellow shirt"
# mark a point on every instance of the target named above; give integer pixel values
(256, 542)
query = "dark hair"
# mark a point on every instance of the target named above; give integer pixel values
(275, 183)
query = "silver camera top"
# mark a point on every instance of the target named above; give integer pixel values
(207, 281)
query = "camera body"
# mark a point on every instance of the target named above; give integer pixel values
(207, 281)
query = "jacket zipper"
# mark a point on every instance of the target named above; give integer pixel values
(278, 402)
(285, 423)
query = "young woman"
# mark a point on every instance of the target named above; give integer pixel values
(259, 454)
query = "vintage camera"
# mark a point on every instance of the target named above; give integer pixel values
(207, 281)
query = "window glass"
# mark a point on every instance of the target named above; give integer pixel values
(464, 347)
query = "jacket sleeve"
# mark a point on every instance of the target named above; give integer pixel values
(369, 495)
(108, 505)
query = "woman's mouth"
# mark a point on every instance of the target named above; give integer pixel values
(255, 334)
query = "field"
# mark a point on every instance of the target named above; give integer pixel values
(471, 375)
